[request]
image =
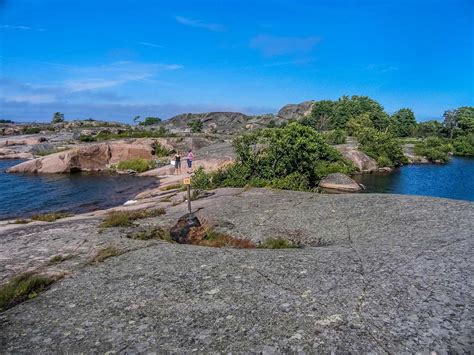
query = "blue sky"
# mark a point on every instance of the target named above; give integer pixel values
(117, 59)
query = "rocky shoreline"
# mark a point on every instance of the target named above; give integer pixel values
(376, 273)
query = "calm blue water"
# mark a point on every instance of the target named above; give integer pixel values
(453, 180)
(22, 195)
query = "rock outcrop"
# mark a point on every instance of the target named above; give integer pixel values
(339, 182)
(362, 161)
(22, 141)
(296, 111)
(94, 157)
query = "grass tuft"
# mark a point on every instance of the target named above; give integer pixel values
(50, 217)
(21, 221)
(23, 287)
(106, 253)
(57, 259)
(171, 187)
(220, 240)
(154, 233)
(278, 243)
(126, 218)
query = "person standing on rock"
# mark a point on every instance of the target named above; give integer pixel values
(190, 161)
(177, 163)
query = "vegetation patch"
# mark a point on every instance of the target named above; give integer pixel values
(435, 149)
(153, 233)
(23, 287)
(171, 187)
(220, 240)
(21, 221)
(31, 130)
(126, 218)
(106, 253)
(138, 165)
(278, 243)
(48, 151)
(58, 259)
(50, 217)
(381, 146)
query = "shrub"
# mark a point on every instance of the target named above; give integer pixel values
(83, 138)
(337, 136)
(23, 287)
(435, 149)
(464, 145)
(150, 121)
(160, 150)
(57, 259)
(196, 126)
(126, 218)
(379, 144)
(221, 240)
(138, 165)
(31, 130)
(294, 181)
(6, 121)
(48, 151)
(58, 117)
(50, 217)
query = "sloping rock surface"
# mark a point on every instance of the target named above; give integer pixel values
(377, 274)
(339, 182)
(87, 158)
(296, 111)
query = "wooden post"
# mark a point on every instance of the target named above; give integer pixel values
(187, 182)
(189, 199)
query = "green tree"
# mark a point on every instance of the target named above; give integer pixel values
(58, 117)
(403, 123)
(150, 121)
(459, 122)
(196, 126)
(428, 128)
(381, 146)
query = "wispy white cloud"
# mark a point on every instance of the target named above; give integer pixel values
(200, 24)
(22, 28)
(148, 44)
(271, 46)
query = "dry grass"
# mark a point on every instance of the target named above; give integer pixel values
(21, 221)
(171, 187)
(106, 253)
(220, 240)
(50, 217)
(153, 233)
(126, 218)
(57, 259)
(23, 287)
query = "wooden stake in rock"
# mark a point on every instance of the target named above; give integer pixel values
(187, 182)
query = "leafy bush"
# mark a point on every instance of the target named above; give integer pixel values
(106, 253)
(293, 157)
(138, 165)
(31, 130)
(381, 146)
(337, 136)
(196, 126)
(464, 145)
(403, 123)
(160, 150)
(278, 243)
(355, 124)
(434, 149)
(150, 121)
(58, 117)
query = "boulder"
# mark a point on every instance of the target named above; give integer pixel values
(296, 111)
(362, 161)
(187, 230)
(339, 182)
(94, 157)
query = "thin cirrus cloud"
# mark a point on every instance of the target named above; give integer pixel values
(215, 27)
(148, 44)
(21, 28)
(272, 46)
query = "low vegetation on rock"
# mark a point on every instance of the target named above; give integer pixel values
(105, 253)
(126, 218)
(23, 287)
(138, 165)
(151, 233)
(50, 217)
